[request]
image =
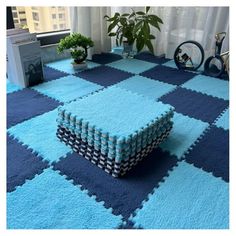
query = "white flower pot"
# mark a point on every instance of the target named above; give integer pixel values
(80, 66)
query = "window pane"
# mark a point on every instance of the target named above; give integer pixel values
(41, 19)
(15, 15)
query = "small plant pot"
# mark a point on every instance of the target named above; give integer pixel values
(80, 66)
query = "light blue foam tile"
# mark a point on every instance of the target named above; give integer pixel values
(184, 133)
(117, 111)
(209, 85)
(67, 88)
(39, 133)
(66, 66)
(147, 87)
(132, 65)
(49, 201)
(223, 121)
(12, 87)
(171, 64)
(188, 199)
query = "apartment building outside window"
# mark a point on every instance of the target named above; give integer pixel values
(15, 15)
(35, 16)
(49, 18)
(61, 16)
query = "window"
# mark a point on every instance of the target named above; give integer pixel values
(48, 18)
(35, 16)
(62, 26)
(36, 26)
(16, 21)
(23, 21)
(15, 15)
(62, 16)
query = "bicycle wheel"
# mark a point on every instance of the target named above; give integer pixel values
(189, 55)
(214, 66)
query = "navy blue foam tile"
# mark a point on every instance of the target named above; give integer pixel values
(104, 75)
(212, 153)
(25, 104)
(194, 104)
(105, 58)
(125, 194)
(147, 56)
(168, 75)
(52, 74)
(128, 225)
(22, 164)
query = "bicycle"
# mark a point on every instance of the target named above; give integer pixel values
(189, 55)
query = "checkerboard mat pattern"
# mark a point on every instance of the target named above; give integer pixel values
(182, 184)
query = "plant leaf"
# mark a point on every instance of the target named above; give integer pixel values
(137, 27)
(140, 13)
(146, 29)
(147, 9)
(149, 45)
(112, 26)
(155, 24)
(117, 14)
(151, 36)
(125, 14)
(112, 34)
(123, 21)
(155, 18)
(140, 43)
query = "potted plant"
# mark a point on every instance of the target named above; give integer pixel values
(78, 46)
(129, 28)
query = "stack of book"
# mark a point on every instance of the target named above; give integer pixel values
(24, 64)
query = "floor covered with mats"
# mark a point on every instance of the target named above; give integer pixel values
(182, 184)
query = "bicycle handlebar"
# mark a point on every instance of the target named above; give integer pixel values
(219, 40)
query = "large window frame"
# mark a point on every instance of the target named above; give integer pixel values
(45, 38)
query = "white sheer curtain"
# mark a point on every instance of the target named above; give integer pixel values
(190, 23)
(90, 22)
(180, 24)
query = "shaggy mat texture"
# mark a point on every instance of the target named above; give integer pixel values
(182, 184)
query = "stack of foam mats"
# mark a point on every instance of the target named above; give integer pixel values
(114, 128)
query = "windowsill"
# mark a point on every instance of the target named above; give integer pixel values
(52, 38)
(39, 35)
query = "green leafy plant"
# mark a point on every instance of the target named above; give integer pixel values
(78, 46)
(134, 26)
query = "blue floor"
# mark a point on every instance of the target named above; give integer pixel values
(183, 184)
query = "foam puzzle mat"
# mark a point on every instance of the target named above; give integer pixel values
(182, 184)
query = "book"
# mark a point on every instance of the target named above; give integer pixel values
(22, 47)
(28, 63)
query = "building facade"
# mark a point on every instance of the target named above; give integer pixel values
(41, 19)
